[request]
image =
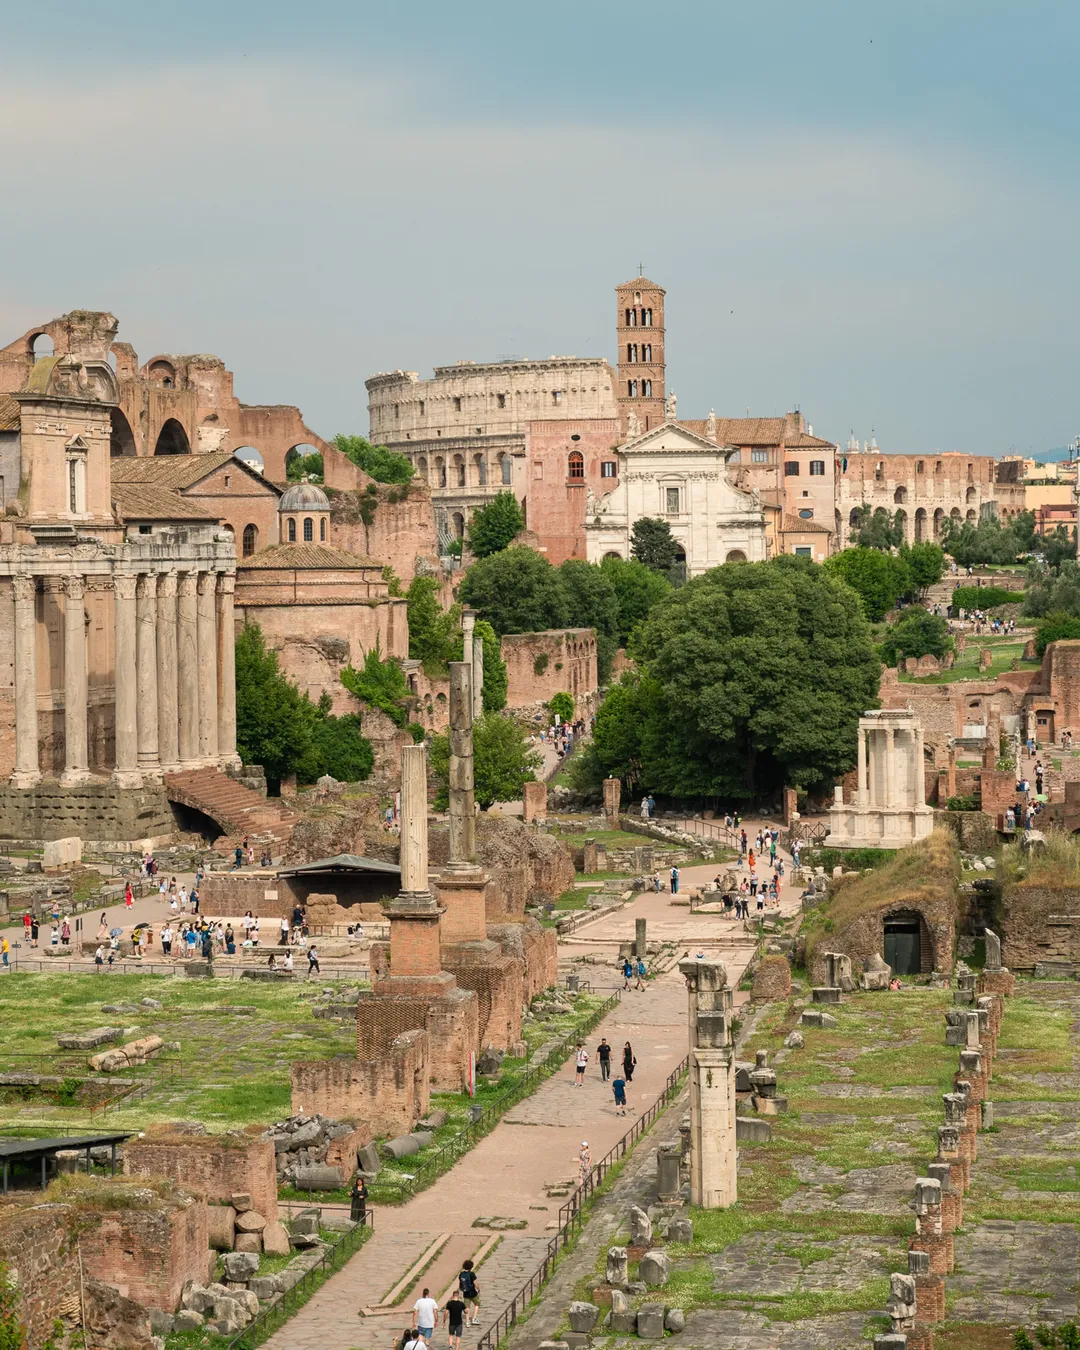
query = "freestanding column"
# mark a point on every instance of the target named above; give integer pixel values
(713, 1154)
(187, 670)
(126, 773)
(226, 626)
(208, 683)
(860, 795)
(414, 835)
(920, 771)
(149, 761)
(468, 627)
(890, 768)
(477, 677)
(27, 772)
(76, 767)
(462, 797)
(168, 714)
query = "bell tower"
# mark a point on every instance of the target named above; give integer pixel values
(639, 328)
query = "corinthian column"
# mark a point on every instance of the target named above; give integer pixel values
(226, 624)
(462, 808)
(920, 769)
(27, 772)
(76, 766)
(187, 643)
(146, 649)
(126, 773)
(208, 685)
(168, 727)
(860, 790)
(890, 768)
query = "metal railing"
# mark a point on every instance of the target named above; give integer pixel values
(572, 1213)
(72, 1069)
(276, 1314)
(446, 1155)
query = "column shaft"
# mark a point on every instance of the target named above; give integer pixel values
(126, 683)
(890, 768)
(208, 683)
(414, 841)
(146, 656)
(187, 643)
(477, 677)
(76, 766)
(168, 725)
(860, 789)
(873, 765)
(920, 771)
(226, 620)
(27, 771)
(462, 808)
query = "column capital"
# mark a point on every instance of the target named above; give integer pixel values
(147, 585)
(186, 583)
(207, 582)
(226, 583)
(25, 586)
(124, 585)
(74, 586)
(166, 583)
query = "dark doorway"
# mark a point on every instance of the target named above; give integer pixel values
(902, 946)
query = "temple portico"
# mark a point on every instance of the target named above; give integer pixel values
(889, 810)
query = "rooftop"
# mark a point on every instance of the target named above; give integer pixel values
(342, 862)
(175, 472)
(302, 557)
(138, 501)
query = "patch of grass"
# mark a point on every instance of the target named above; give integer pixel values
(717, 1229)
(808, 1253)
(692, 1287)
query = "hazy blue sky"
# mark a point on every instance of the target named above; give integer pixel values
(866, 210)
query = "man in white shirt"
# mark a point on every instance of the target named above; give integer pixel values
(582, 1063)
(425, 1315)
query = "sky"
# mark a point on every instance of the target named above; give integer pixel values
(862, 210)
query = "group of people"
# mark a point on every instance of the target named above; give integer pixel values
(60, 931)
(454, 1313)
(603, 1058)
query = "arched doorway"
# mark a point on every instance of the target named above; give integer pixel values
(172, 439)
(939, 521)
(901, 519)
(163, 373)
(247, 454)
(121, 441)
(457, 522)
(907, 943)
(303, 461)
(920, 525)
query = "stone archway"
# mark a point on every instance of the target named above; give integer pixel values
(172, 439)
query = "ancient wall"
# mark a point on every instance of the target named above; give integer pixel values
(216, 1167)
(772, 980)
(534, 945)
(1039, 923)
(95, 811)
(864, 937)
(524, 867)
(400, 530)
(149, 1254)
(540, 665)
(498, 981)
(385, 1095)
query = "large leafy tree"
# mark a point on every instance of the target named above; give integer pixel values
(591, 602)
(876, 529)
(879, 579)
(925, 565)
(987, 542)
(651, 543)
(1055, 628)
(516, 591)
(915, 633)
(431, 628)
(1049, 594)
(637, 589)
(503, 762)
(753, 676)
(385, 466)
(495, 525)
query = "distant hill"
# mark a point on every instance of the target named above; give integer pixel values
(1054, 456)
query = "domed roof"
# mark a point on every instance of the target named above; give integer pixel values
(304, 497)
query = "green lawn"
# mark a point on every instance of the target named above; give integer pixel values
(967, 663)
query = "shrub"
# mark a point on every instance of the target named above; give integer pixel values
(985, 597)
(541, 663)
(562, 706)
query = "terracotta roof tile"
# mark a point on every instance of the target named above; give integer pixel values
(174, 471)
(804, 442)
(794, 525)
(141, 502)
(304, 556)
(741, 430)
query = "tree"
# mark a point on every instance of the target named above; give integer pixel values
(299, 467)
(876, 530)
(382, 684)
(915, 633)
(1057, 547)
(1049, 594)
(637, 589)
(516, 591)
(432, 630)
(987, 542)
(879, 579)
(651, 543)
(338, 747)
(494, 526)
(562, 706)
(752, 677)
(385, 466)
(926, 566)
(591, 602)
(502, 761)
(1057, 627)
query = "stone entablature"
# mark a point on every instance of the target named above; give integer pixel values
(889, 810)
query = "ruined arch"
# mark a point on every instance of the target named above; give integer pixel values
(121, 439)
(900, 496)
(920, 525)
(854, 518)
(247, 454)
(162, 372)
(172, 439)
(40, 344)
(939, 520)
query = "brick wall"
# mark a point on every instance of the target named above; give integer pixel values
(772, 980)
(400, 533)
(149, 1254)
(1040, 923)
(555, 503)
(499, 984)
(540, 665)
(213, 1166)
(383, 1096)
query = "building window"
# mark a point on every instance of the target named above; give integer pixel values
(637, 297)
(77, 485)
(556, 396)
(791, 468)
(735, 457)
(457, 404)
(631, 388)
(576, 464)
(249, 541)
(920, 467)
(309, 530)
(501, 400)
(646, 388)
(646, 318)
(806, 514)
(397, 411)
(609, 469)
(146, 529)
(646, 351)
(759, 456)
(817, 468)
(292, 530)
(538, 468)
(671, 499)
(421, 407)
(322, 530)
(504, 468)
(803, 551)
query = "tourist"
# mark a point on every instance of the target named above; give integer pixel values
(5, 952)
(753, 885)
(470, 1289)
(129, 895)
(266, 860)
(313, 962)
(627, 972)
(639, 970)
(166, 940)
(629, 1062)
(425, 1315)
(603, 1055)
(619, 1088)
(238, 859)
(584, 1162)
(644, 808)
(656, 882)
(65, 933)
(288, 962)
(358, 1201)
(230, 940)
(581, 1064)
(246, 922)
(26, 926)
(412, 1340)
(652, 806)
(674, 881)
(174, 906)
(253, 932)
(454, 1318)
(742, 841)
(34, 931)
(99, 957)
(271, 964)
(284, 932)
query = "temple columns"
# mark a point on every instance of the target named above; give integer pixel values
(146, 656)
(127, 678)
(861, 792)
(206, 621)
(187, 667)
(76, 767)
(27, 770)
(226, 624)
(168, 712)
(890, 768)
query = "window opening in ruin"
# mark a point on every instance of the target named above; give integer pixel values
(501, 400)
(504, 468)
(631, 352)
(646, 352)
(609, 469)
(397, 411)
(309, 530)
(457, 404)
(646, 318)
(421, 407)
(459, 466)
(576, 464)
(77, 484)
(637, 297)
(292, 530)
(631, 318)
(920, 467)
(631, 388)
(41, 344)
(146, 529)
(556, 396)
(250, 540)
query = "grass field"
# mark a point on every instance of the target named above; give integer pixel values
(967, 662)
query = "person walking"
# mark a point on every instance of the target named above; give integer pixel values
(581, 1064)
(470, 1289)
(603, 1054)
(584, 1162)
(34, 931)
(629, 1062)
(5, 952)
(618, 1086)
(129, 896)
(313, 962)
(674, 881)
(627, 972)
(639, 970)
(454, 1318)
(425, 1315)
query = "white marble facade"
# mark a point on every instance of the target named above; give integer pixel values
(889, 810)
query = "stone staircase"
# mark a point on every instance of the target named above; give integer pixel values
(239, 811)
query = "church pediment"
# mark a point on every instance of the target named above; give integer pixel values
(672, 438)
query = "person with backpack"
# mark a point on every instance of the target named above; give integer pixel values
(581, 1064)
(618, 1086)
(627, 972)
(640, 971)
(470, 1290)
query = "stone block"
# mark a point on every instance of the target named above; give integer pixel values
(553, 1345)
(265, 1287)
(825, 994)
(317, 1178)
(221, 1227)
(424, 1138)
(743, 1071)
(87, 1040)
(675, 1320)
(368, 1159)
(305, 1223)
(161, 1322)
(681, 1230)
(622, 1319)
(617, 1272)
(275, 1240)
(655, 1268)
(813, 1017)
(650, 1321)
(435, 1120)
(62, 852)
(640, 1227)
(250, 1221)
(240, 1266)
(242, 1202)
(248, 1242)
(582, 1316)
(749, 1130)
(795, 1040)
(403, 1147)
(187, 1319)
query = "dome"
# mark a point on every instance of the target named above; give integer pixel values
(304, 497)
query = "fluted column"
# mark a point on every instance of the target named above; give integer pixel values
(126, 773)
(187, 669)
(168, 713)
(76, 766)
(146, 656)
(27, 770)
(890, 768)
(920, 770)
(226, 624)
(860, 788)
(208, 683)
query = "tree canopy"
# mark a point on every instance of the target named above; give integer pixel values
(916, 632)
(591, 602)
(637, 589)
(503, 761)
(279, 727)
(879, 579)
(1047, 593)
(432, 630)
(988, 541)
(1055, 628)
(877, 529)
(385, 466)
(516, 590)
(926, 566)
(382, 684)
(651, 543)
(495, 525)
